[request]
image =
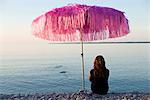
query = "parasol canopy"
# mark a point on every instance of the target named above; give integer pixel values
(80, 23)
(76, 22)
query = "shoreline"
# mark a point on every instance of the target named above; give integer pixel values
(77, 96)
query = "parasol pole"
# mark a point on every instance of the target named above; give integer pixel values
(82, 57)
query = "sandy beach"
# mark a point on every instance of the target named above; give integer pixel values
(77, 96)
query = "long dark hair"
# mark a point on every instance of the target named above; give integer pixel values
(99, 67)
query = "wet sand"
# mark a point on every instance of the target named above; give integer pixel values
(77, 96)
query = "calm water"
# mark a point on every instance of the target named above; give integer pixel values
(58, 68)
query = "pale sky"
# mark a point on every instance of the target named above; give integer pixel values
(16, 17)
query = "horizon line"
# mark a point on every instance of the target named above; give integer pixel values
(117, 42)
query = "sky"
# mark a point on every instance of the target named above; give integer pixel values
(16, 17)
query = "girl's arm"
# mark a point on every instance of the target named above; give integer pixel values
(90, 77)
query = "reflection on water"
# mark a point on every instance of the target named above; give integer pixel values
(60, 71)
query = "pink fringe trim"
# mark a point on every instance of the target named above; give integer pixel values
(70, 23)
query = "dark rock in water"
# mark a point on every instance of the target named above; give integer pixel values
(59, 66)
(62, 72)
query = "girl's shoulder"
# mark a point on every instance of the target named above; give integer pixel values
(107, 70)
(92, 71)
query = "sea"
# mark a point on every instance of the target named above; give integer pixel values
(58, 68)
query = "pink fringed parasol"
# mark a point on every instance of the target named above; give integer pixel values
(80, 23)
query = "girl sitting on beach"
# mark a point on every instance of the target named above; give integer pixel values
(99, 76)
